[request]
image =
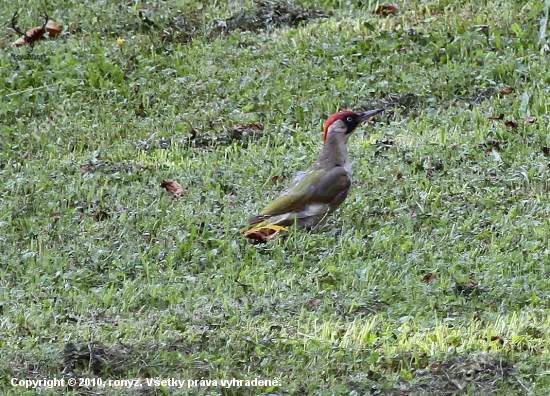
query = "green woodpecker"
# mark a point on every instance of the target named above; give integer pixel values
(323, 187)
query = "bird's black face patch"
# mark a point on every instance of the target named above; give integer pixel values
(351, 121)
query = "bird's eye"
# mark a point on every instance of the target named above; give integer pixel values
(349, 119)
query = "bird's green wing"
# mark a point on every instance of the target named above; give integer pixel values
(317, 186)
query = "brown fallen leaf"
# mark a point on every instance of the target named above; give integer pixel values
(173, 187)
(33, 35)
(140, 111)
(260, 235)
(315, 302)
(497, 338)
(429, 277)
(277, 179)
(466, 288)
(386, 10)
(498, 117)
(54, 28)
(255, 126)
(493, 143)
(101, 215)
(511, 124)
(529, 120)
(37, 33)
(507, 91)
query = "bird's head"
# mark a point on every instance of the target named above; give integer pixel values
(344, 122)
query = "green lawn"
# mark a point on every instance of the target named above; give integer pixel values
(432, 278)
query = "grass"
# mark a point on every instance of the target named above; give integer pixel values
(431, 278)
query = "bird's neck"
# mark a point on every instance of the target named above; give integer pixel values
(335, 153)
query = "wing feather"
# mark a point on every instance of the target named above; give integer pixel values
(311, 187)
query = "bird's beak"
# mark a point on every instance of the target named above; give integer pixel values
(368, 114)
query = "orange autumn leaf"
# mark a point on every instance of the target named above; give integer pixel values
(173, 187)
(263, 234)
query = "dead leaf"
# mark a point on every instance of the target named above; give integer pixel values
(173, 187)
(493, 143)
(429, 277)
(386, 10)
(255, 126)
(140, 111)
(466, 288)
(511, 124)
(33, 35)
(498, 117)
(529, 120)
(507, 91)
(277, 179)
(315, 302)
(101, 215)
(497, 338)
(263, 234)
(54, 28)
(37, 33)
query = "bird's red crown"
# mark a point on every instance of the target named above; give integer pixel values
(335, 117)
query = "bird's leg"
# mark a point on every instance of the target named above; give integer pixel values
(320, 221)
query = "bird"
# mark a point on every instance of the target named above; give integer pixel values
(321, 189)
